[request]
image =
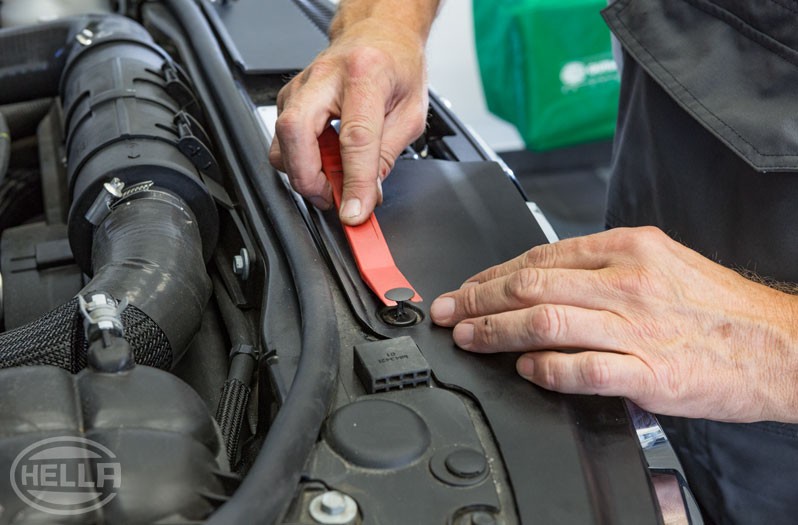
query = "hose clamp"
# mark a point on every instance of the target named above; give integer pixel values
(101, 207)
(102, 314)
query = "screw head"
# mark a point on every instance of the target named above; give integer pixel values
(333, 508)
(333, 503)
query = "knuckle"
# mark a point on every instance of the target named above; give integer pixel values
(470, 301)
(645, 239)
(544, 255)
(532, 256)
(417, 125)
(546, 323)
(595, 372)
(288, 125)
(489, 334)
(365, 61)
(550, 375)
(323, 66)
(356, 134)
(275, 158)
(307, 186)
(359, 185)
(521, 284)
(387, 161)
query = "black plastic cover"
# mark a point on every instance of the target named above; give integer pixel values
(155, 428)
(388, 451)
(570, 459)
(283, 41)
(39, 272)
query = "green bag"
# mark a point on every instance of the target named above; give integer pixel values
(547, 68)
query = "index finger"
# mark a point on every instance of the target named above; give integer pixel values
(577, 253)
(363, 110)
(304, 116)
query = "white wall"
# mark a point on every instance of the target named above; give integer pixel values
(454, 74)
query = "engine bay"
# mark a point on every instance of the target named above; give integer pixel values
(187, 341)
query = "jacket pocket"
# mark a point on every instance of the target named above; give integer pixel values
(720, 62)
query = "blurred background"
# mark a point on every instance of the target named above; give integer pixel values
(569, 181)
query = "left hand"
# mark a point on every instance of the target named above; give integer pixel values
(630, 312)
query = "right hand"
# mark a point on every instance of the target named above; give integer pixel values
(372, 77)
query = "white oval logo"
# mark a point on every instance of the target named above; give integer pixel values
(66, 475)
(573, 74)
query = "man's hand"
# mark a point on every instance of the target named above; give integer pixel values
(372, 77)
(630, 312)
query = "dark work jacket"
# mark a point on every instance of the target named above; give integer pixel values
(707, 150)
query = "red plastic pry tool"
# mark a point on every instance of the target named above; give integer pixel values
(371, 252)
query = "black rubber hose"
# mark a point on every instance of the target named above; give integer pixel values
(272, 480)
(231, 411)
(23, 117)
(238, 328)
(230, 415)
(149, 250)
(5, 147)
(33, 58)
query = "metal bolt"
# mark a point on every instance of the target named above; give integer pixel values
(333, 508)
(115, 187)
(241, 264)
(333, 503)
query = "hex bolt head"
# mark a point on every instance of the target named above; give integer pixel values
(333, 503)
(333, 508)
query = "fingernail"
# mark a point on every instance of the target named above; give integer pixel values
(525, 366)
(463, 334)
(379, 188)
(350, 209)
(468, 284)
(442, 309)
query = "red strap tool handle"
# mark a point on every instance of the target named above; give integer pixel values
(371, 252)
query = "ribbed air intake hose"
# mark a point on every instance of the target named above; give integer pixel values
(145, 237)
